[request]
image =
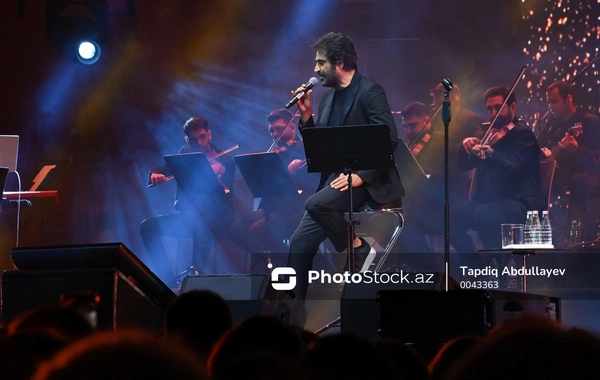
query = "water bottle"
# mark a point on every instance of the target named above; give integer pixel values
(536, 228)
(546, 229)
(512, 282)
(576, 233)
(527, 233)
(493, 270)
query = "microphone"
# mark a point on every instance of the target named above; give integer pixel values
(447, 84)
(310, 84)
(446, 113)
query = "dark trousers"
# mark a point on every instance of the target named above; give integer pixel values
(324, 218)
(486, 219)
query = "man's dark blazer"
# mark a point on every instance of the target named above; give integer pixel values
(512, 172)
(366, 104)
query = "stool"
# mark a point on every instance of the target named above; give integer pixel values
(375, 208)
(394, 209)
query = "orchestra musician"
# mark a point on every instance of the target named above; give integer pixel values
(425, 196)
(507, 177)
(202, 217)
(572, 138)
(351, 100)
(284, 211)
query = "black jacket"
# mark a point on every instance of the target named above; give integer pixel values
(512, 172)
(366, 103)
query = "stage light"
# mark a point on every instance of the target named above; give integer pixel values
(88, 52)
(77, 28)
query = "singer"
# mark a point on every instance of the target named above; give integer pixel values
(352, 100)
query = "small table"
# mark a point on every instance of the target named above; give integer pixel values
(525, 251)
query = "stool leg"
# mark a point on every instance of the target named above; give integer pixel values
(391, 243)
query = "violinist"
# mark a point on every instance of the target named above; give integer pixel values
(507, 177)
(285, 140)
(415, 120)
(204, 217)
(424, 196)
(572, 138)
(285, 211)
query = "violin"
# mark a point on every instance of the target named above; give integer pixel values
(417, 145)
(498, 134)
(213, 160)
(212, 157)
(290, 142)
(284, 147)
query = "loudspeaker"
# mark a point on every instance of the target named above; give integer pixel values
(358, 305)
(429, 318)
(130, 294)
(250, 294)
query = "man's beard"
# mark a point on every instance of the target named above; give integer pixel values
(329, 79)
(502, 121)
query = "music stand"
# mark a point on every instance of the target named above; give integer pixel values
(267, 178)
(196, 181)
(348, 149)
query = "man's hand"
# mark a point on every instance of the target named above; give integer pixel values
(157, 178)
(218, 169)
(304, 104)
(547, 152)
(569, 143)
(485, 148)
(469, 145)
(341, 182)
(295, 166)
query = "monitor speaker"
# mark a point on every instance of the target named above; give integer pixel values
(130, 294)
(250, 294)
(358, 305)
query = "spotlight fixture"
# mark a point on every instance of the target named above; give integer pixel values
(88, 52)
(77, 28)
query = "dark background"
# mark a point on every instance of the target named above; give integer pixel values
(232, 62)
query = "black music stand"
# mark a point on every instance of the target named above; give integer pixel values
(267, 178)
(197, 182)
(348, 149)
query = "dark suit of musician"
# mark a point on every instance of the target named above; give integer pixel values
(507, 181)
(361, 102)
(572, 138)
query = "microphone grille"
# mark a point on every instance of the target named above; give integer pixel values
(314, 81)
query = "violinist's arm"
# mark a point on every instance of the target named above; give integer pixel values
(229, 175)
(466, 161)
(525, 151)
(589, 156)
(158, 174)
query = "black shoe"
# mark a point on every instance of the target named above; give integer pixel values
(360, 255)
